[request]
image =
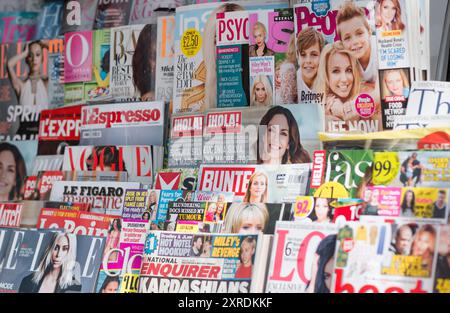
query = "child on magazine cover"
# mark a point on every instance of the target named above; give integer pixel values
(246, 218)
(356, 36)
(394, 83)
(309, 47)
(248, 247)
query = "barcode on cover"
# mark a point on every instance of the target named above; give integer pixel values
(296, 179)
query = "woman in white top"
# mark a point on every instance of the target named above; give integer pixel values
(32, 90)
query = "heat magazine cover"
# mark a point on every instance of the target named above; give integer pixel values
(257, 183)
(138, 123)
(325, 34)
(137, 161)
(302, 258)
(207, 263)
(30, 262)
(374, 257)
(195, 77)
(412, 169)
(105, 197)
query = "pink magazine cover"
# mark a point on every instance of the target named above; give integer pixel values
(78, 57)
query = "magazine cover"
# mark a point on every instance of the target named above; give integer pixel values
(105, 197)
(78, 15)
(112, 13)
(24, 85)
(325, 210)
(232, 42)
(133, 62)
(340, 173)
(10, 214)
(420, 121)
(395, 61)
(212, 196)
(164, 58)
(272, 57)
(122, 256)
(31, 261)
(78, 57)
(257, 183)
(18, 26)
(442, 275)
(137, 123)
(47, 163)
(325, 35)
(195, 77)
(385, 257)
(185, 143)
(429, 98)
(265, 135)
(16, 160)
(95, 87)
(45, 180)
(176, 178)
(430, 204)
(75, 222)
(412, 169)
(56, 73)
(59, 128)
(137, 161)
(49, 19)
(302, 258)
(226, 262)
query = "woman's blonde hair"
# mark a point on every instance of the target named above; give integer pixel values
(291, 53)
(209, 52)
(260, 26)
(385, 90)
(322, 83)
(269, 93)
(66, 277)
(240, 212)
(250, 182)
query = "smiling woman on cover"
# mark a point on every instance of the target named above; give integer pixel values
(58, 271)
(12, 172)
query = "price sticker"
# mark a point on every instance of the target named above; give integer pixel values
(191, 42)
(386, 166)
(331, 190)
(303, 206)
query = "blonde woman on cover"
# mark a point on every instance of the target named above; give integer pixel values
(32, 90)
(259, 49)
(261, 91)
(339, 80)
(257, 188)
(423, 246)
(395, 83)
(246, 218)
(58, 271)
(389, 15)
(209, 53)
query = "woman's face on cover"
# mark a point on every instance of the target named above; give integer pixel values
(409, 197)
(252, 225)
(309, 62)
(111, 287)
(387, 11)
(246, 253)
(152, 197)
(340, 75)
(7, 173)
(394, 83)
(258, 186)
(278, 136)
(321, 209)
(259, 36)
(327, 272)
(35, 57)
(59, 252)
(355, 37)
(422, 244)
(260, 92)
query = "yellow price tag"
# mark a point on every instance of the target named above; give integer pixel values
(191, 42)
(386, 167)
(331, 190)
(129, 283)
(303, 206)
